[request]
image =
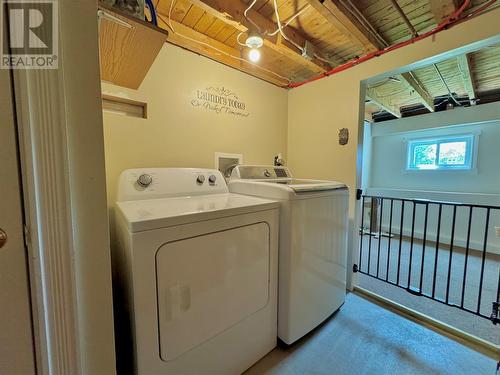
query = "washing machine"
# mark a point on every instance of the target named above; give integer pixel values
(197, 270)
(312, 248)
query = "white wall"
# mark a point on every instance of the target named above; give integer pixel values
(79, 42)
(367, 154)
(389, 151)
(388, 175)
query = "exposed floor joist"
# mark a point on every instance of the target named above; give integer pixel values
(232, 12)
(361, 24)
(383, 103)
(442, 8)
(212, 53)
(465, 69)
(425, 98)
(338, 15)
(404, 17)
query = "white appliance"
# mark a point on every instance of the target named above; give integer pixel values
(313, 244)
(198, 268)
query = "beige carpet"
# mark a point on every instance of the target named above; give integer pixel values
(365, 339)
(474, 324)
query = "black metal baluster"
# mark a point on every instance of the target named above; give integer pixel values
(411, 243)
(498, 287)
(401, 237)
(389, 242)
(450, 258)
(380, 232)
(362, 232)
(483, 259)
(375, 220)
(440, 211)
(370, 238)
(423, 247)
(467, 246)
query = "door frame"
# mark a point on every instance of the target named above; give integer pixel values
(61, 143)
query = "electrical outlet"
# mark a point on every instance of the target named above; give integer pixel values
(497, 231)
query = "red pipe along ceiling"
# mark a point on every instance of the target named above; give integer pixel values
(453, 19)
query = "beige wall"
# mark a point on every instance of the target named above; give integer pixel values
(317, 111)
(177, 134)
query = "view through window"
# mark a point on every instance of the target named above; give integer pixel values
(440, 153)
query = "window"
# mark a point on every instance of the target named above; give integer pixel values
(441, 153)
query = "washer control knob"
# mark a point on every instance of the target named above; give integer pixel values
(267, 173)
(144, 180)
(212, 179)
(200, 179)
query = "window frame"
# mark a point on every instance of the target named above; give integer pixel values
(470, 152)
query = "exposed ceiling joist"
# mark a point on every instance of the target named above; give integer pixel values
(464, 64)
(350, 21)
(213, 54)
(442, 8)
(232, 12)
(404, 17)
(371, 93)
(338, 16)
(425, 98)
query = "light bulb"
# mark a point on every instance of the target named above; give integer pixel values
(254, 55)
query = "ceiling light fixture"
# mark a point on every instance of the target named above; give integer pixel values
(254, 41)
(254, 55)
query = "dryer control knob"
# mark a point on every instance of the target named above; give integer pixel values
(200, 179)
(212, 179)
(144, 180)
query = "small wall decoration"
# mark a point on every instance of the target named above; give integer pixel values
(221, 101)
(343, 136)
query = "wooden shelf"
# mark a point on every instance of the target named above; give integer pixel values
(127, 53)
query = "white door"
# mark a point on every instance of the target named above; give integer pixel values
(16, 332)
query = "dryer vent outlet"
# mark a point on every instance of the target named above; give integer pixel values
(226, 162)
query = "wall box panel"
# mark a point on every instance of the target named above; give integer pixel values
(127, 47)
(124, 106)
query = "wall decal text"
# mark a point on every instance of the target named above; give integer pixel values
(221, 101)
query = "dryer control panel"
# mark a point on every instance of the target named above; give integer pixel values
(260, 172)
(152, 183)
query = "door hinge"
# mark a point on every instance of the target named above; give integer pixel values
(355, 268)
(359, 194)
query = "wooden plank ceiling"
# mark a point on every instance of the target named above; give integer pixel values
(333, 32)
(468, 79)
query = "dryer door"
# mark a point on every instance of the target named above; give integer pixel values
(209, 283)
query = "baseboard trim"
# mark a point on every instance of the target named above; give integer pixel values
(476, 343)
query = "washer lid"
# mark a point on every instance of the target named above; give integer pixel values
(280, 175)
(160, 213)
(298, 185)
(286, 190)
